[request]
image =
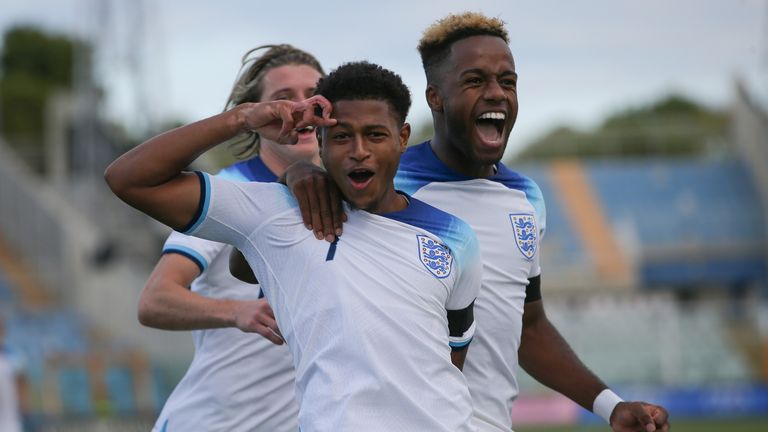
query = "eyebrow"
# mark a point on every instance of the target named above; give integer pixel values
(282, 90)
(482, 72)
(365, 127)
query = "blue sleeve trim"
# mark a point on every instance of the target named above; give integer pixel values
(189, 253)
(458, 346)
(202, 207)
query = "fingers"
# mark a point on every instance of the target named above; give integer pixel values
(634, 416)
(288, 133)
(258, 317)
(318, 199)
(660, 416)
(307, 116)
(314, 208)
(267, 327)
(326, 215)
(642, 416)
(267, 309)
(337, 210)
(270, 334)
(301, 192)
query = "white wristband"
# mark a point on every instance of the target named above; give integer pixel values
(604, 404)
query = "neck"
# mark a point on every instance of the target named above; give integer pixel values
(449, 154)
(391, 202)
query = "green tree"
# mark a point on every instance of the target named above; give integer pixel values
(672, 126)
(33, 66)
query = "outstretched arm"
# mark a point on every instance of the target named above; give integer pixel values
(167, 303)
(150, 178)
(548, 358)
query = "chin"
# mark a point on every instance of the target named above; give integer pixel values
(488, 157)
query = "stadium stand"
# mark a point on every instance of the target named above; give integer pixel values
(691, 330)
(688, 222)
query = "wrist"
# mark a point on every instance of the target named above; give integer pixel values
(238, 120)
(222, 313)
(605, 403)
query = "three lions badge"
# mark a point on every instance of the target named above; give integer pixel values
(435, 257)
(524, 226)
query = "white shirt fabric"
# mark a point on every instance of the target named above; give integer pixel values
(365, 318)
(507, 213)
(237, 381)
(10, 418)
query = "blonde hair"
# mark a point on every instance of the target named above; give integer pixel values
(248, 85)
(435, 43)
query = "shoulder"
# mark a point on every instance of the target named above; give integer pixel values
(453, 231)
(517, 181)
(252, 169)
(419, 166)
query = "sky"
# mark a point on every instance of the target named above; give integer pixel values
(577, 62)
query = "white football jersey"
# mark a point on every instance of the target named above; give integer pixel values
(237, 381)
(366, 317)
(507, 213)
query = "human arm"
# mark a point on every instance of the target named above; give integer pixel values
(239, 268)
(548, 358)
(458, 357)
(318, 197)
(150, 178)
(166, 302)
(461, 302)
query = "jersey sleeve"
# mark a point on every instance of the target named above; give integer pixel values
(230, 211)
(198, 250)
(461, 300)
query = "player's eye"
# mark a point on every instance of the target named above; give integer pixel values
(508, 83)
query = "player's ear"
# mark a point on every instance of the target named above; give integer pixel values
(434, 100)
(405, 133)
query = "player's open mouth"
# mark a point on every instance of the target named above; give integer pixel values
(490, 127)
(360, 178)
(308, 130)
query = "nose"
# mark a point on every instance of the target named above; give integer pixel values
(359, 151)
(493, 91)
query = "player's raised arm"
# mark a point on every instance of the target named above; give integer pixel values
(150, 177)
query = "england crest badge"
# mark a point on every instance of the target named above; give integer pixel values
(524, 226)
(435, 257)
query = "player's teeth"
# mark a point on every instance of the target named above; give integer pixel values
(492, 116)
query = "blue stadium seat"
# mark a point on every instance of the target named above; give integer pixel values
(697, 221)
(121, 390)
(75, 391)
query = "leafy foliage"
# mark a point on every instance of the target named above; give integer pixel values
(33, 66)
(672, 126)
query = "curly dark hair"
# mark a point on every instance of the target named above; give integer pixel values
(364, 80)
(435, 43)
(248, 85)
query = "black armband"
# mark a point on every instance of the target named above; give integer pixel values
(533, 290)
